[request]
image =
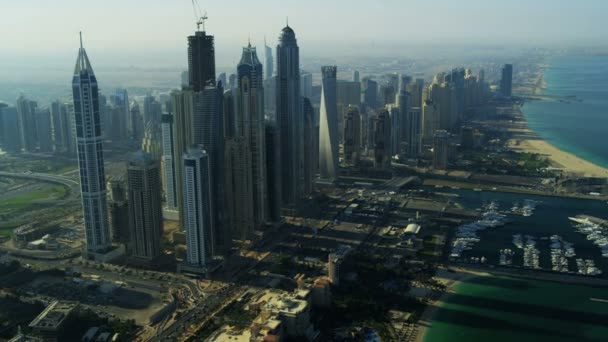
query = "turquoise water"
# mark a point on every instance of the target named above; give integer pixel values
(550, 217)
(507, 309)
(576, 127)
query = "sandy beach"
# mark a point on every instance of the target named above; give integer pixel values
(526, 140)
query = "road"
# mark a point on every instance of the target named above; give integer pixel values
(47, 177)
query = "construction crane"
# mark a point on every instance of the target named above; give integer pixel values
(199, 16)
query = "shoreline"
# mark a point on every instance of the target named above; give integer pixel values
(527, 140)
(451, 280)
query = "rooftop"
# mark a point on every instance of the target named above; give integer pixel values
(53, 316)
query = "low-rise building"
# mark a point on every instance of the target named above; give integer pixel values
(50, 322)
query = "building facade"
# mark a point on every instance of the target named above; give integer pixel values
(90, 155)
(328, 126)
(145, 206)
(198, 207)
(289, 119)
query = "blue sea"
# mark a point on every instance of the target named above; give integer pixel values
(580, 128)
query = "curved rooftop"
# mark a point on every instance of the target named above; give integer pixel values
(287, 35)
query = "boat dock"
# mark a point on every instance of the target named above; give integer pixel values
(596, 220)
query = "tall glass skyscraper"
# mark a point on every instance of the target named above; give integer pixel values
(289, 119)
(268, 61)
(250, 126)
(506, 81)
(90, 155)
(328, 125)
(198, 207)
(168, 158)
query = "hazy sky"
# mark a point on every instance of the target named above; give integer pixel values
(153, 32)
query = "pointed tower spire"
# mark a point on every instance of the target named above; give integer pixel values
(82, 62)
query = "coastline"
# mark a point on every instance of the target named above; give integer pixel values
(525, 139)
(450, 280)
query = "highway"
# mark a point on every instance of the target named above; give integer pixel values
(46, 177)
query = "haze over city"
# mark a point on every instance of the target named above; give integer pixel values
(280, 171)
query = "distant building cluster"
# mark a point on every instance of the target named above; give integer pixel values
(226, 156)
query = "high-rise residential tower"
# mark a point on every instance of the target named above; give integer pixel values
(239, 193)
(61, 121)
(506, 81)
(250, 126)
(198, 207)
(145, 207)
(90, 155)
(26, 110)
(440, 149)
(273, 172)
(352, 135)
(382, 139)
(268, 61)
(118, 208)
(311, 143)
(168, 159)
(328, 126)
(11, 135)
(430, 121)
(413, 123)
(289, 118)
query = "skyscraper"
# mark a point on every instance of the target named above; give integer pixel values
(311, 143)
(382, 139)
(198, 206)
(268, 61)
(201, 60)
(430, 121)
(145, 206)
(370, 92)
(61, 127)
(356, 76)
(90, 155)
(506, 81)
(239, 188)
(348, 93)
(250, 125)
(118, 208)
(151, 142)
(413, 124)
(43, 130)
(289, 119)
(208, 128)
(397, 126)
(401, 131)
(416, 89)
(10, 133)
(170, 184)
(152, 111)
(440, 150)
(328, 126)
(352, 135)
(306, 84)
(273, 172)
(123, 124)
(26, 110)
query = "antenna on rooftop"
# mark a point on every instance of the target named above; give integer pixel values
(199, 16)
(80, 39)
